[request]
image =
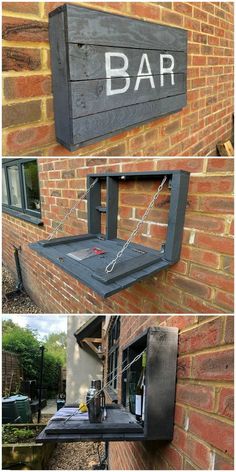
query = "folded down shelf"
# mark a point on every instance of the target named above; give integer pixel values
(119, 425)
(136, 263)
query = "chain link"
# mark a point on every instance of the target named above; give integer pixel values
(109, 268)
(72, 209)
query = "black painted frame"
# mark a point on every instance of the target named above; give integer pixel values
(143, 261)
(74, 28)
(12, 209)
(161, 344)
(178, 181)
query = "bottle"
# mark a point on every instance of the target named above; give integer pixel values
(140, 391)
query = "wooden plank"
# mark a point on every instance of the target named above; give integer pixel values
(162, 348)
(118, 420)
(94, 200)
(225, 149)
(112, 207)
(103, 124)
(178, 202)
(90, 97)
(87, 26)
(87, 61)
(65, 240)
(60, 85)
(125, 268)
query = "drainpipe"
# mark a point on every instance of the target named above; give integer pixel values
(19, 285)
(103, 465)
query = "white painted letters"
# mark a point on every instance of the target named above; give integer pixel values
(144, 75)
(121, 72)
(144, 72)
(167, 70)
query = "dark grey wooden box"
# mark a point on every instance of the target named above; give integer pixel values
(111, 73)
(161, 344)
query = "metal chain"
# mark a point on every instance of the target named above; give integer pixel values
(72, 209)
(111, 265)
(107, 384)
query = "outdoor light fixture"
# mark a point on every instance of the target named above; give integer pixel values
(106, 263)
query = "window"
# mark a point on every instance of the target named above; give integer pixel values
(4, 189)
(20, 187)
(113, 352)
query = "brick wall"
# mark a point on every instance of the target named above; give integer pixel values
(201, 282)
(11, 372)
(28, 113)
(203, 424)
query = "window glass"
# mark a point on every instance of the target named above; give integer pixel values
(31, 186)
(14, 186)
(4, 188)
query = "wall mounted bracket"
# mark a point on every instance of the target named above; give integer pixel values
(72, 253)
(161, 345)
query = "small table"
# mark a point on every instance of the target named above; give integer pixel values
(119, 425)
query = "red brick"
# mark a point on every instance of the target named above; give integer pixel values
(31, 8)
(227, 264)
(198, 396)
(145, 10)
(225, 300)
(183, 368)
(205, 258)
(215, 243)
(199, 14)
(226, 403)
(172, 18)
(220, 165)
(195, 450)
(183, 8)
(229, 330)
(215, 279)
(21, 113)
(26, 87)
(22, 140)
(216, 204)
(222, 184)
(19, 59)
(203, 222)
(196, 305)
(206, 335)
(214, 432)
(187, 285)
(173, 457)
(18, 29)
(223, 463)
(213, 366)
(179, 415)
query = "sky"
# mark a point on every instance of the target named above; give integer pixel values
(45, 324)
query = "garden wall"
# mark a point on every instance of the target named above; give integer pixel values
(201, 282)
(203, 425)
(28, 118)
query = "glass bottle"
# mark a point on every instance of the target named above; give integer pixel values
(140, 391)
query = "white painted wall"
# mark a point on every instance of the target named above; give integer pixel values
(82, 367)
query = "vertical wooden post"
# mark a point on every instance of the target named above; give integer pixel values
(94, 200)
(178, 201)
(112, 207)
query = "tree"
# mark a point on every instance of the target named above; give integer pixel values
(25, 342)
(56, 344)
